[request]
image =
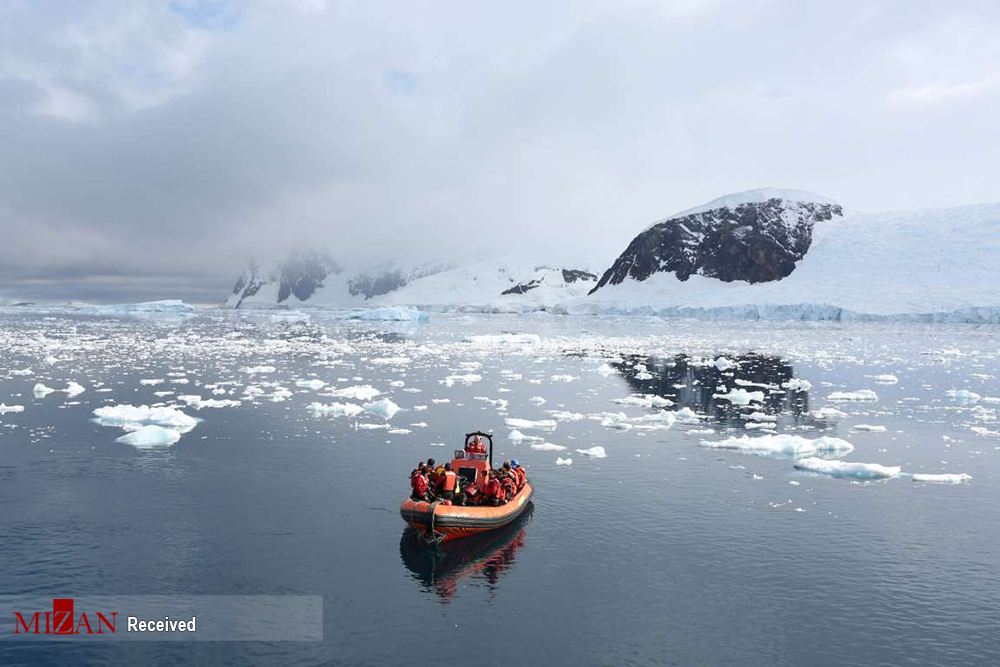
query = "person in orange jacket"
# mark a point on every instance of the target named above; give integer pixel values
(522, 476)
(447, 484)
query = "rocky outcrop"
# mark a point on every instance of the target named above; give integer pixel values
(551, 277)
(301, 275)
(756, 236)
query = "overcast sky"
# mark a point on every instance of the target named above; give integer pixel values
(149, 149)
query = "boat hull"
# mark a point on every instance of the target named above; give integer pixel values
(452, 522)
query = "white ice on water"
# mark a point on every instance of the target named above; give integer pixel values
(10, 408)
(859, 395)
(151, 435)
(336, 409)
(546, 424)
(782, 445)
(851, 469)
(563, 462)
(595, 452)
(131, 415)
(741, 396)
(941, 478)
(384, 408)
(547, 447)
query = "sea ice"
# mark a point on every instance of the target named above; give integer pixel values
(130, 415)
(73, 389)
(10, 408)
(782, 445)
(336, 409)
(151, 435)
(517, 436)
(547, 447)
(596, 452)
(859, 395)
(527, 423)
(504, 339)
(390, 314)
(362, 392)
(869, 427)
(742, 396)
(315, 384)
(384, 408)
(847, 468)
(468, 378)
(942, 478)
(795, 384)
(563, 462)
(963, 395)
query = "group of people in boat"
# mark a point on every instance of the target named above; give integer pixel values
(432, 482)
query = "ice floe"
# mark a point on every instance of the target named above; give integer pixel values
(851, 469)
(563, 462)
(384, 408)
(741, 396)
(859, 395)
(336, 409)
(151, 435)
(547, 447)
(10, 408)
(595, 452)
(782, 445)
(546, 424)
(941, 478)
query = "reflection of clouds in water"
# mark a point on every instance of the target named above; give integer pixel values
(694, 382)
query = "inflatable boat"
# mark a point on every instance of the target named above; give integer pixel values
(438, 521)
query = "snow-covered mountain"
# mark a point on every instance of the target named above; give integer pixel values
(754, 236)
(313, 278)
(931, 265)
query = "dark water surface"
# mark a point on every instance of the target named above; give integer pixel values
(664, 552)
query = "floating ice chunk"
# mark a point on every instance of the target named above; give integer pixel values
(644, 375)
(869, 427)
(985, 432)
(335, 409)
(782, 445)
(390, 314)
(528, 423)
(23, 371)
(827, 413)
(564, 416)
(665, 418)
(126, 415)
(596, 452)
(760, 416)
(468, 378)
(197, 402)
(258, 370)
(644, 401)
(605, 370)
(724, 364)
(796, 384)
(686, 416)
(499, 403)
(384, 408)
(504, 339)
(390, 361)
(742, 396)
(517, 436)
(362, 392)
(963, 395)
(848, 469)
(563, 378)
(73, 389)
(315, 384)
(400, 431)
(563, 462)
(537, 400)
(547, 447)
(859, 395)
(151, 382)
(163, 306)
(884, 379)
(942, 478)
(10, 408)
(151, 435)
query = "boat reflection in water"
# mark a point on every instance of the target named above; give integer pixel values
(488, 555)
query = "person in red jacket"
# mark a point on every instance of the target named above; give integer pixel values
(447, 484)
(419, 484)
(475, 445)
(522, 476)
(494, 490)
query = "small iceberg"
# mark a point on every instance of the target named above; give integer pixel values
(741, 396)
(782, 445)
(563, 462)
(596, 452)
(128, 416)
(335, 409)
(151, 436)
(848, 469)
(384, 408)
(527, 423)
(859, 395)
(547, 447)
(942, 478)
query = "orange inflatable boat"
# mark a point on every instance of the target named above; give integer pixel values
(439, 521)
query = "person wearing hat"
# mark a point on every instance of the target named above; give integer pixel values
(522, 476)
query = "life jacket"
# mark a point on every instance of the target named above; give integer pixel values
(509, 486)
(494, 489)
(450, 481)
(522, 476)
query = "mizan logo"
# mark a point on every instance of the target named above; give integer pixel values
(61, 621)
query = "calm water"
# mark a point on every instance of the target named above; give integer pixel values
(664, 552)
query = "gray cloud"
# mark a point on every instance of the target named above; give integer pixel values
(151, 148)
